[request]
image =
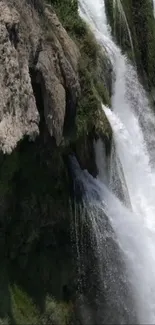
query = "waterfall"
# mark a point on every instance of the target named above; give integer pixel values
(126, 76)
(133, 224)
(139, 178)
(118, 4)
(136, 243)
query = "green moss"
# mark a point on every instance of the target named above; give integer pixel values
(93, 88)
(67, 11)
(89, 107)
(23, 310)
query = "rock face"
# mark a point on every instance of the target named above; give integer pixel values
(18, 112)
(47, 82)
(57, 67)
(28, 52)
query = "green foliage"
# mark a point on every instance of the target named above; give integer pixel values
(89, 47)
(56, 312)
(89, 109)
(93, 89)
(23, 310)
(67, 10)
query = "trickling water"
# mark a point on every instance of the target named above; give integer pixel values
(133, 126)
(101, 161)
(117, 4)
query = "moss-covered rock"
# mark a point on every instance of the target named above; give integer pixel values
(35, 205)
(133, 20)
(93, 70)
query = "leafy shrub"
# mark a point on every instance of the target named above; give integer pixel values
(56, 313)
(24, 311)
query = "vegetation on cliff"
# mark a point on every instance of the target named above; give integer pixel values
(65, 74)
(134, 20)
(93, 70)
(38, 277)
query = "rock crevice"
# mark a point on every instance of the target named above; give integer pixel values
(51, 53)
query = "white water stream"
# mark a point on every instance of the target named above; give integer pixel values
(133, 127)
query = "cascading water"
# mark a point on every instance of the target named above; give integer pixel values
(133, 127)
(136, 244)
(112, 301)
(117, 4)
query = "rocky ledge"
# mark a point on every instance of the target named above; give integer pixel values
(32, 61)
